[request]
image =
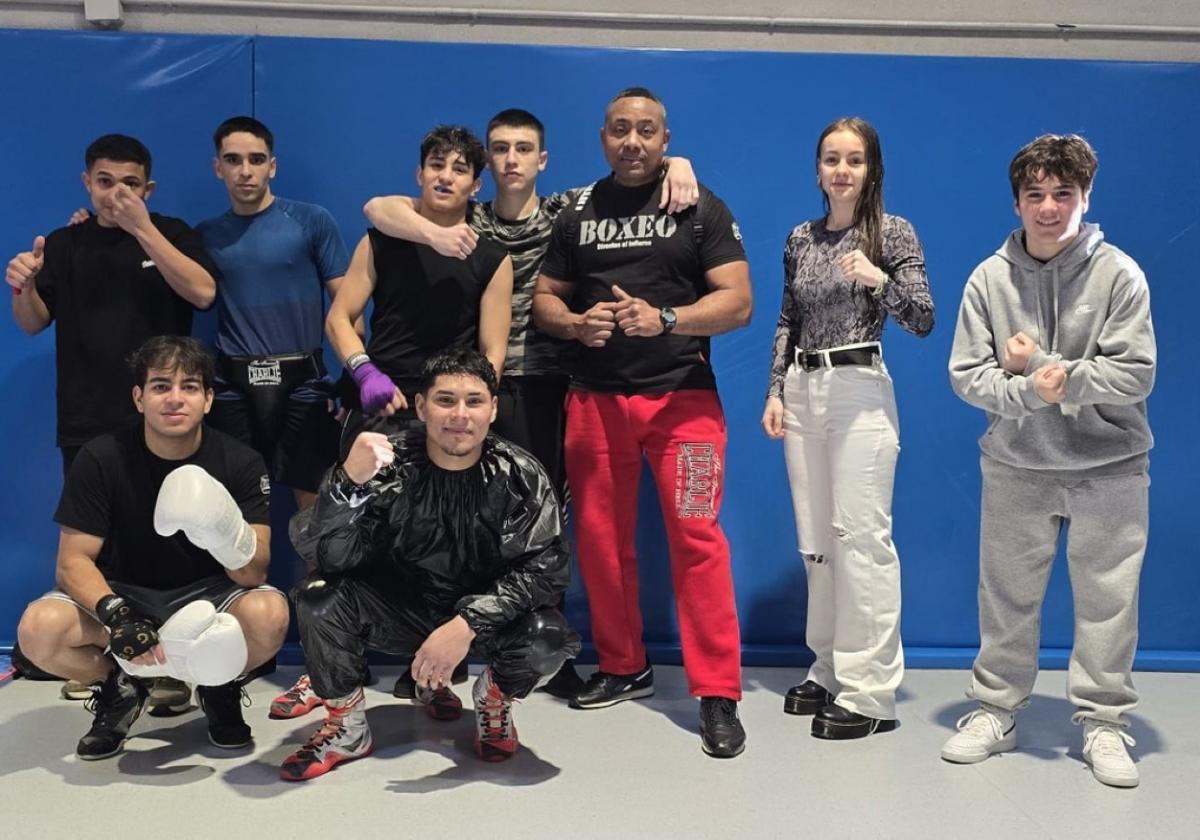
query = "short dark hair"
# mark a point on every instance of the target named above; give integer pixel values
(444, 139)
(1067, 157)
(246, 124)
(172, 352)
(457, 361)
(119, 148)
(517, 118)
(637, 92)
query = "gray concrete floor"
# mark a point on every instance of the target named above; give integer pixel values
(634, 770)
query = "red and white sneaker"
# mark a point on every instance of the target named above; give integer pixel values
(495, 732)
(440, 703)
(343, 737)
(297, 701)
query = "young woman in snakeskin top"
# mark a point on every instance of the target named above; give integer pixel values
(831, 401)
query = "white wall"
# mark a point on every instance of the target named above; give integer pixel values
(1156, 30)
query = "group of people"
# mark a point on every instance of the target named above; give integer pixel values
(533, 343)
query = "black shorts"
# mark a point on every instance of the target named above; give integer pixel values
(160, 604)
(298, 451)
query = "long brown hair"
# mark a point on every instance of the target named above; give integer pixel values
(868, 211)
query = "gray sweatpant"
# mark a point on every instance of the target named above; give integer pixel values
(1022, 515)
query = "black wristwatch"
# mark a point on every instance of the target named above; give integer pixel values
(668, 318)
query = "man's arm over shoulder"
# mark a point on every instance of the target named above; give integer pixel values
(975, 374)
(1122, 373)
(400, 216)
(533, 544)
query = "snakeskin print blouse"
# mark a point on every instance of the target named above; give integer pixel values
(822, 309)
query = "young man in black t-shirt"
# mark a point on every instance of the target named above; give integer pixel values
(642, 291)
(123, 570)
(109, 283)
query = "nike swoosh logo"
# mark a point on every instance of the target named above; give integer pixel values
(148, 264)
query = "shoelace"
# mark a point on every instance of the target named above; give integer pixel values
(493, 717)
(296, 692)
(330, 729)
(722, 711)
(1097, 743)
(981, 722)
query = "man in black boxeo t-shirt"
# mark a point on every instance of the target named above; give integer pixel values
(162, 559)
(642, 291)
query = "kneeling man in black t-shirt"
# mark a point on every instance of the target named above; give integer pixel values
(162, 560)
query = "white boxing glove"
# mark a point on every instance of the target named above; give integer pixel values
(202, 646)
(192, 501)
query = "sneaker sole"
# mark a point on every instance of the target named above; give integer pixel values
(796, 706)
(169, 710)
(636, 694)
(119, 749)
(828, 731)
(237, 746)
(1116, 781)
(323, 769)
(1005, 744)
(297, 711)
(741, 749)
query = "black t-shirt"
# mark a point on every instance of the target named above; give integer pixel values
(112, 489)
(619, 236)
(107, 298)
(424, 302)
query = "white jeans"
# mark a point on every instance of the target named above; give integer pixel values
(841, 441)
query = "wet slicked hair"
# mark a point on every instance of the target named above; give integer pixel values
(172, 352)
(119, 148)
(457, 361)
(639, 93)
(1067, 157)
(247, 124)
(445, 139)
(517, 118)
(868, 210)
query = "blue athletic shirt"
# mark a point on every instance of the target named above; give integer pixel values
(274, 266)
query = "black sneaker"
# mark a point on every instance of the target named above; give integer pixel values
(605, 689)
(222, 705)
(808, 698)
(117, 702)
(406, 685)
(566, 683)
(721, 732)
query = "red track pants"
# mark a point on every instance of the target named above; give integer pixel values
(682, 435)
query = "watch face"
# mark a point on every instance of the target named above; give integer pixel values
(667, 316)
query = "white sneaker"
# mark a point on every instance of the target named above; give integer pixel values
(980, 734)
(1104, 749)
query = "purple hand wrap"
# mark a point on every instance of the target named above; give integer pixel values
(375, 388)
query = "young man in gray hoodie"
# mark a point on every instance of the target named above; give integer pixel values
(1054, 342)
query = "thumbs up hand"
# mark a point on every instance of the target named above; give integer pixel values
(24, 267)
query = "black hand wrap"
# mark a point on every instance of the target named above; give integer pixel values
(129, 633)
